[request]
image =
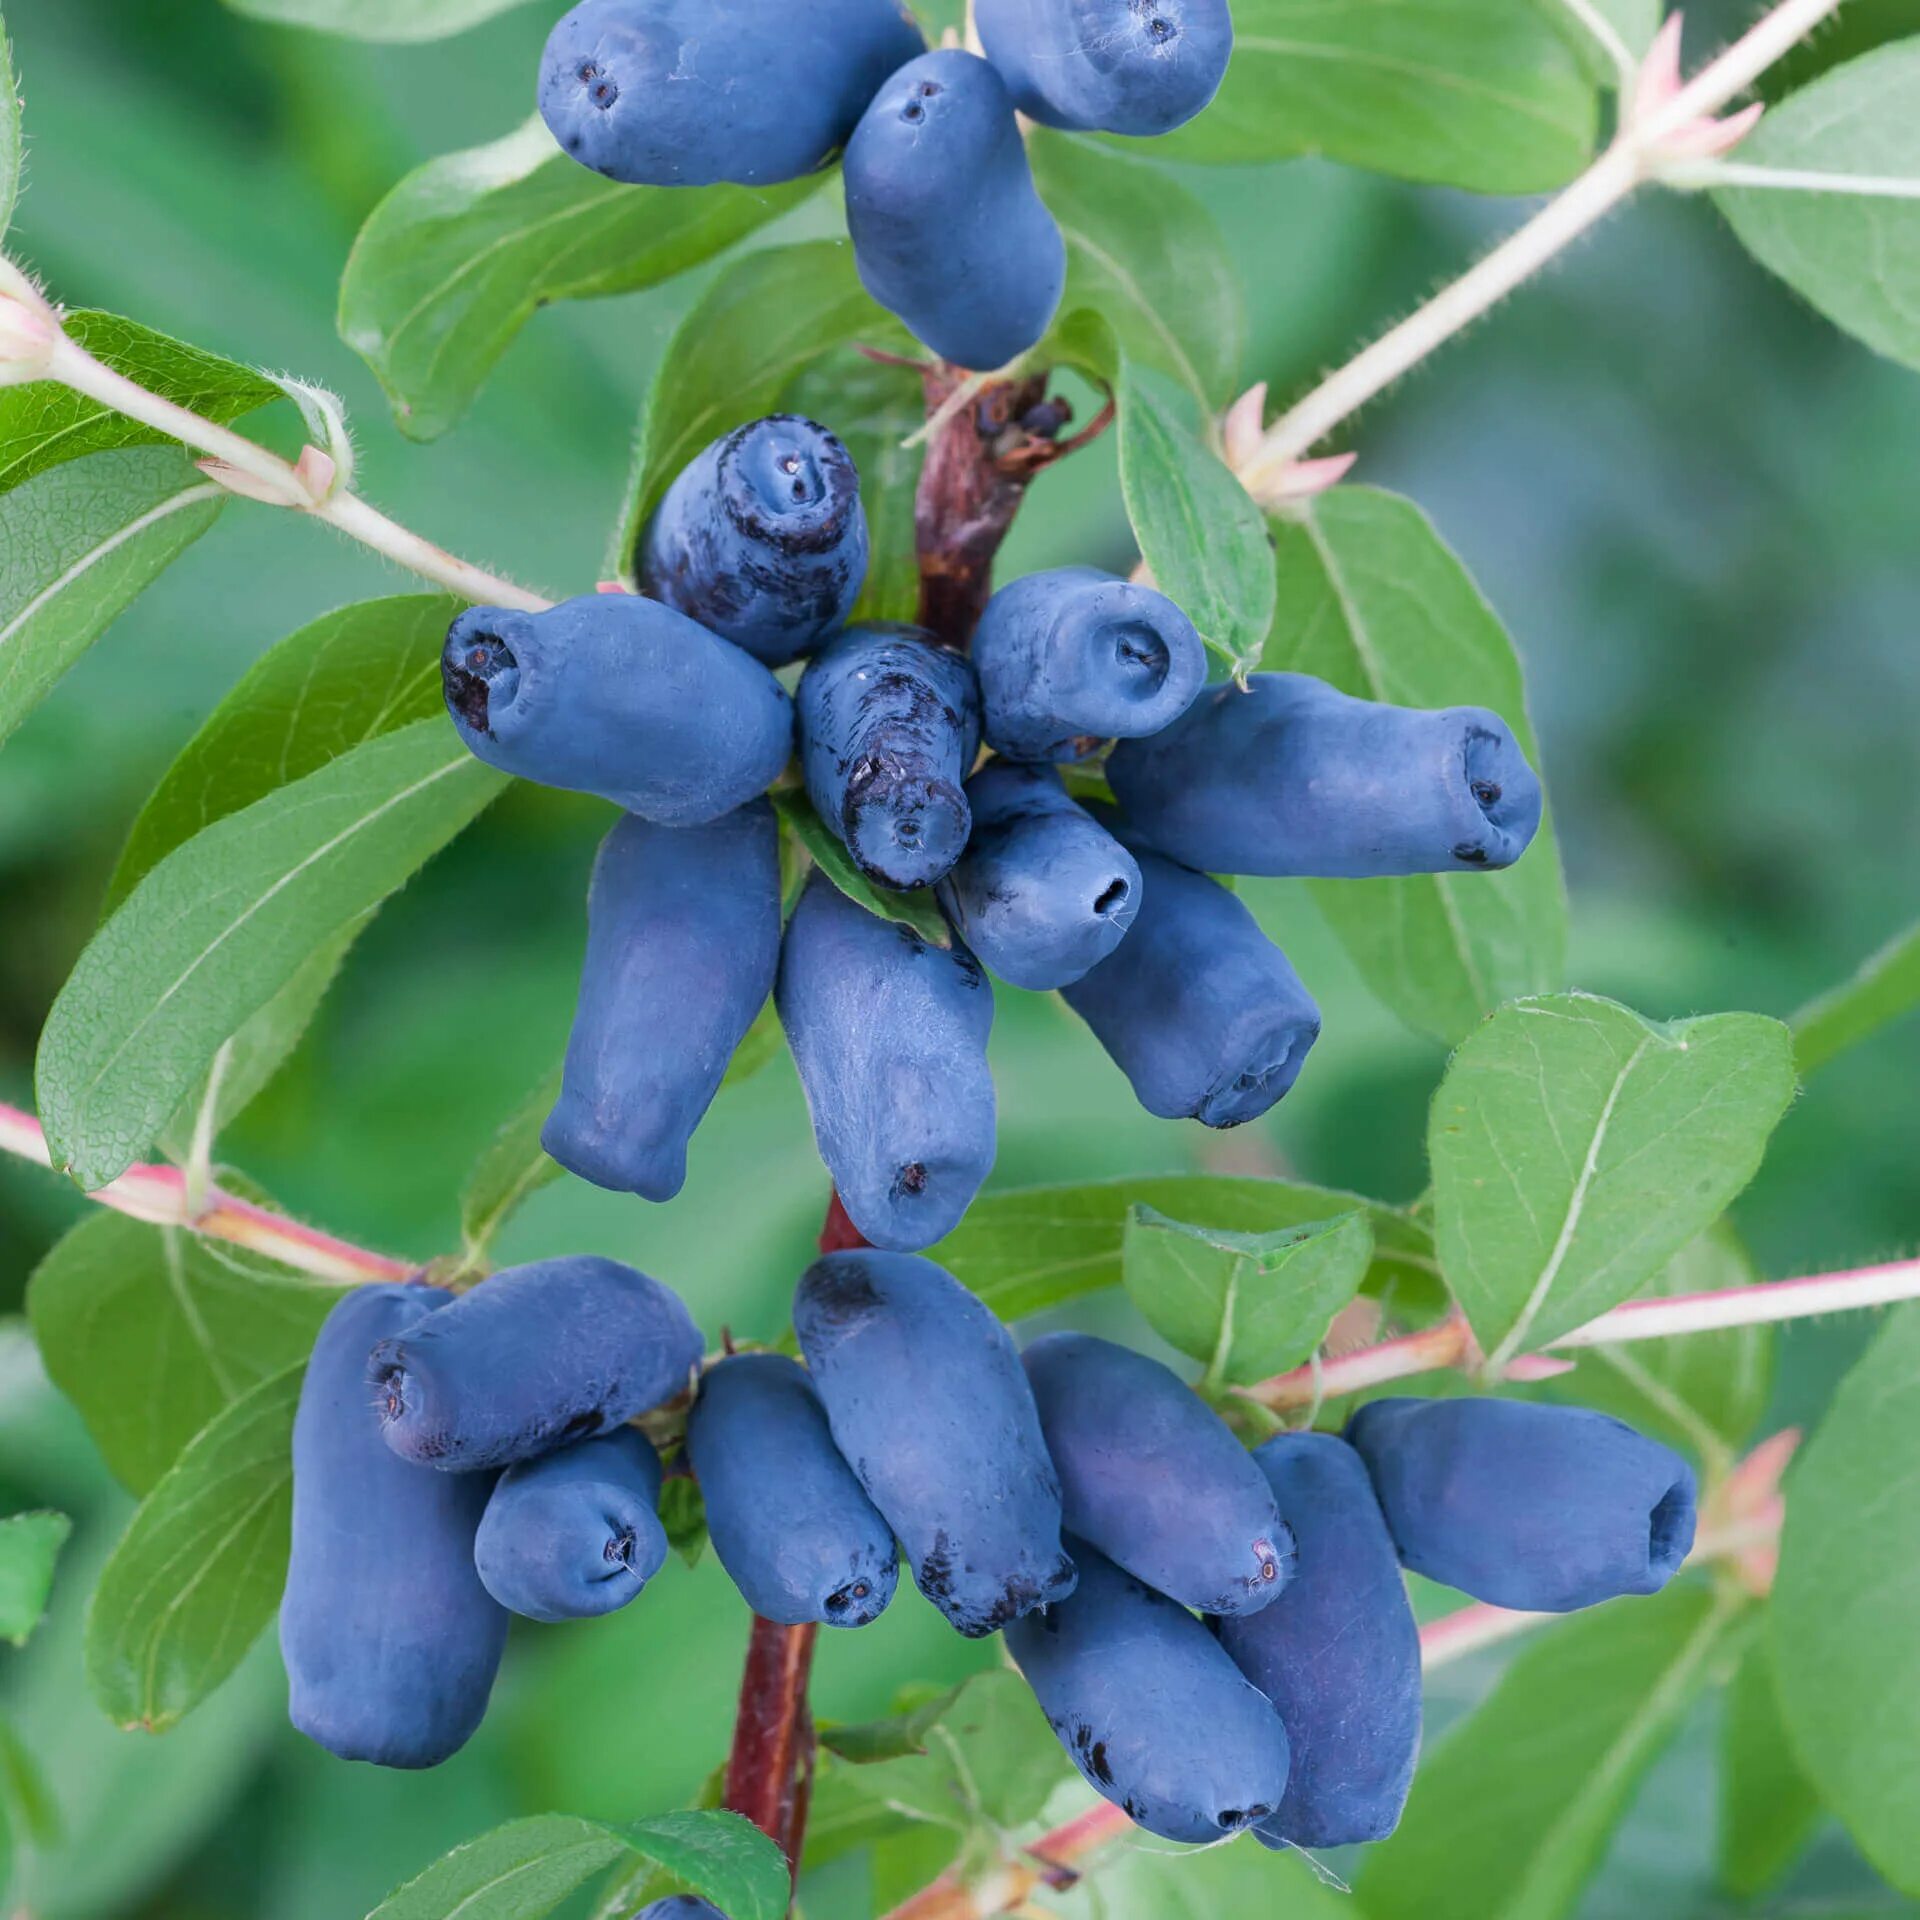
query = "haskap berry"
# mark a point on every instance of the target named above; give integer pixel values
(1154, 1478)
(575, 1533)
(889, 726)
(889, 1034)
(1043, 892)
(681, 1906)
(1112, 66)
(618, 696)
(929, 1406)
(1338, 1653)
(948, 231)
(1198, 1008)
(1073, 657)
(1291, 776)
(1149, 1707)
(683, 940)
(390, 1641)
(530, 1359)
(761, 538)
(1542, 1508)
(672, 93)
(788, 1517)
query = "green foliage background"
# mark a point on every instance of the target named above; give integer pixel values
(1688, 498)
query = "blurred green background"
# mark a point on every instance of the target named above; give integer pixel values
(1691, 501)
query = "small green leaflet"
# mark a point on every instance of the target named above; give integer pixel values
(152, 1331)
(1372, 600)
(200, 1568)
(1854, 256)
(1576, 1148)
(29, 1545)
(466, 249)
(525, 1869)
(1246, 1305)
(683, 1513)
(1886, 987)
(1482, 94)
(1768, 1808)
(223, 922)
(394, 20)
(918, 910)
(1844, 1649)
(513, 1168)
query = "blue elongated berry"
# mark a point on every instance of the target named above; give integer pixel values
(576, 1533)
(1153, 1477)
(670, 93)
(1338, 1653)
(390, 1641)
(1152, 1712)
(681, 1906)
(889, 726)
(788, 1517)
(1116, 66)
(1198, 1008)
(1544, 1508)
(948, 231)
(762, 538)
(1291, 776)
(619, 696)
(1043, 891)
(532, 1358)
(890, 1037)
(930, 1408)
(1069, 658)
(683, 940)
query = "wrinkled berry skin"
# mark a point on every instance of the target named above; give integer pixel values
(1069, 658)
(788, 1517)
(1294, 777)
(1197, 1007)
(1115, 66)
(681, 93)
(948, 230)
(683, 939)
(1543, 1508)
(889, 726)
(529, 1360)
(890, 1037)
(930, 1407)
(390, 1641)
(1338, 1653)
(762, 538)
(1153, 1477)
(619, 696)
(1150, 1709)
(576, 1533)
(1043, 892)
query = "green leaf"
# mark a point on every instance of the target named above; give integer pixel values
(759, 1047)
(1886, 987)
(29, 1545)
(224, 922)
(513, 1168)
(1371, 599)
(898, 1737)
(683, 1513)
(1145, 254)
(1028, 1248)
(526, 1868)
(1512, 1810)
(393, 20)
(1768, 1809)
(24, 1792)
(1576, 1148)
(199, 1570)
(1480, 94)
(9, 186)
(1197, 527)
(918, 909)
(1855, 257)
(1237, 1881)
(765, 318)
(152, 1331)
(1844, 1650)
(1248, 1305)
(78, 544)
(466, 249)
(346, 678)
